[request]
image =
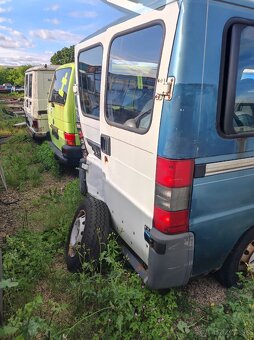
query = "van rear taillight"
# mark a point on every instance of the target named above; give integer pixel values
(70, 138)
(172, 193)
(81, 136)
(35, 124)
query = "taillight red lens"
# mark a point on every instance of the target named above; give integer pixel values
(171, 222)
(70, 138)
(173, 187)
(174, 173)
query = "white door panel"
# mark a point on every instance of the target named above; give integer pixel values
(90, 127)
(129, 170)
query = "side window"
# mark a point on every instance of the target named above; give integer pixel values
(60, 85)
(89, 73)
(133, 66)
(26, 85)
(30, 84)
(239, 104)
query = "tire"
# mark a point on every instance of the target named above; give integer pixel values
(241, 259)
(88, 234)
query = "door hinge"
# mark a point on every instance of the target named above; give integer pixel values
(165, 88)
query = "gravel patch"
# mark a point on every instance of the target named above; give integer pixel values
(205, 291)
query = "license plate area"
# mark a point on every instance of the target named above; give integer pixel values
(54, 131)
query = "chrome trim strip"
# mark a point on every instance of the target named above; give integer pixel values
(227, 166)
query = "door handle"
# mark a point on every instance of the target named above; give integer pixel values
(105, 145)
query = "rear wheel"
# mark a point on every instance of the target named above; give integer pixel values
(88, 233)
(241, 259)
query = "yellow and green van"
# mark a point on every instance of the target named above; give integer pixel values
(65, 140)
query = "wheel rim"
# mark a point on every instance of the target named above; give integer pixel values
(77, 234)
(247, 259)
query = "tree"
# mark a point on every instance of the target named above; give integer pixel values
(64, 56)
(13, 75)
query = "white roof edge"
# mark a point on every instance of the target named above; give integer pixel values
(42, 68)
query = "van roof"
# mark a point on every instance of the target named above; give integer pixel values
(42, 68)
(66, 65)
(154, 5)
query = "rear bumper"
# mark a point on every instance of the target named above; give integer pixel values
(170, 260)
(36, 134)
(68, 155)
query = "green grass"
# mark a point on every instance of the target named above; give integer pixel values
(24, 160)
(7, 123)
(29, 253)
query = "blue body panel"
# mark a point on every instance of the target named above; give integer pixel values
(222, 206)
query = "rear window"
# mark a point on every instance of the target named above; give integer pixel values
(133, 67)
(90, 62)
(60, 86)
(30, 85)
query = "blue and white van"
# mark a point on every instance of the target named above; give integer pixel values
(166, 107)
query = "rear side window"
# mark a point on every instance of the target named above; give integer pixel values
(133, 67)
(30, 85)
(26, 85)
(60, 85)
(238, 119)
(89, 71)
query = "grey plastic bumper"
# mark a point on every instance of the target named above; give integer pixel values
(170, 260)
(35, 134)
(173, 267)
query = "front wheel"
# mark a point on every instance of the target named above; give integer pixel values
(240, 260)
(88, 233)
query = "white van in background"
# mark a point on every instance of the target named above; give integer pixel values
(37, 85)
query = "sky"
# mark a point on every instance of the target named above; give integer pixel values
(31, 31)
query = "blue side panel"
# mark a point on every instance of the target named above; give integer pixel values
(222, 206)
(222, 210)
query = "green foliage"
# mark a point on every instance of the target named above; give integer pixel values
(29, 253)
(64, 56)
(46, 157)
(14, 76)
(116, 304)
(18, 158)
(8, 284)
(27, 324)
(234, 318)
(27, 257)
(24, 161)
(7, 123)
(56, 212)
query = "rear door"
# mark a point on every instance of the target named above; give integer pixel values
(136, 65)
(56, 106)
(28, 92)
(88, 75)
